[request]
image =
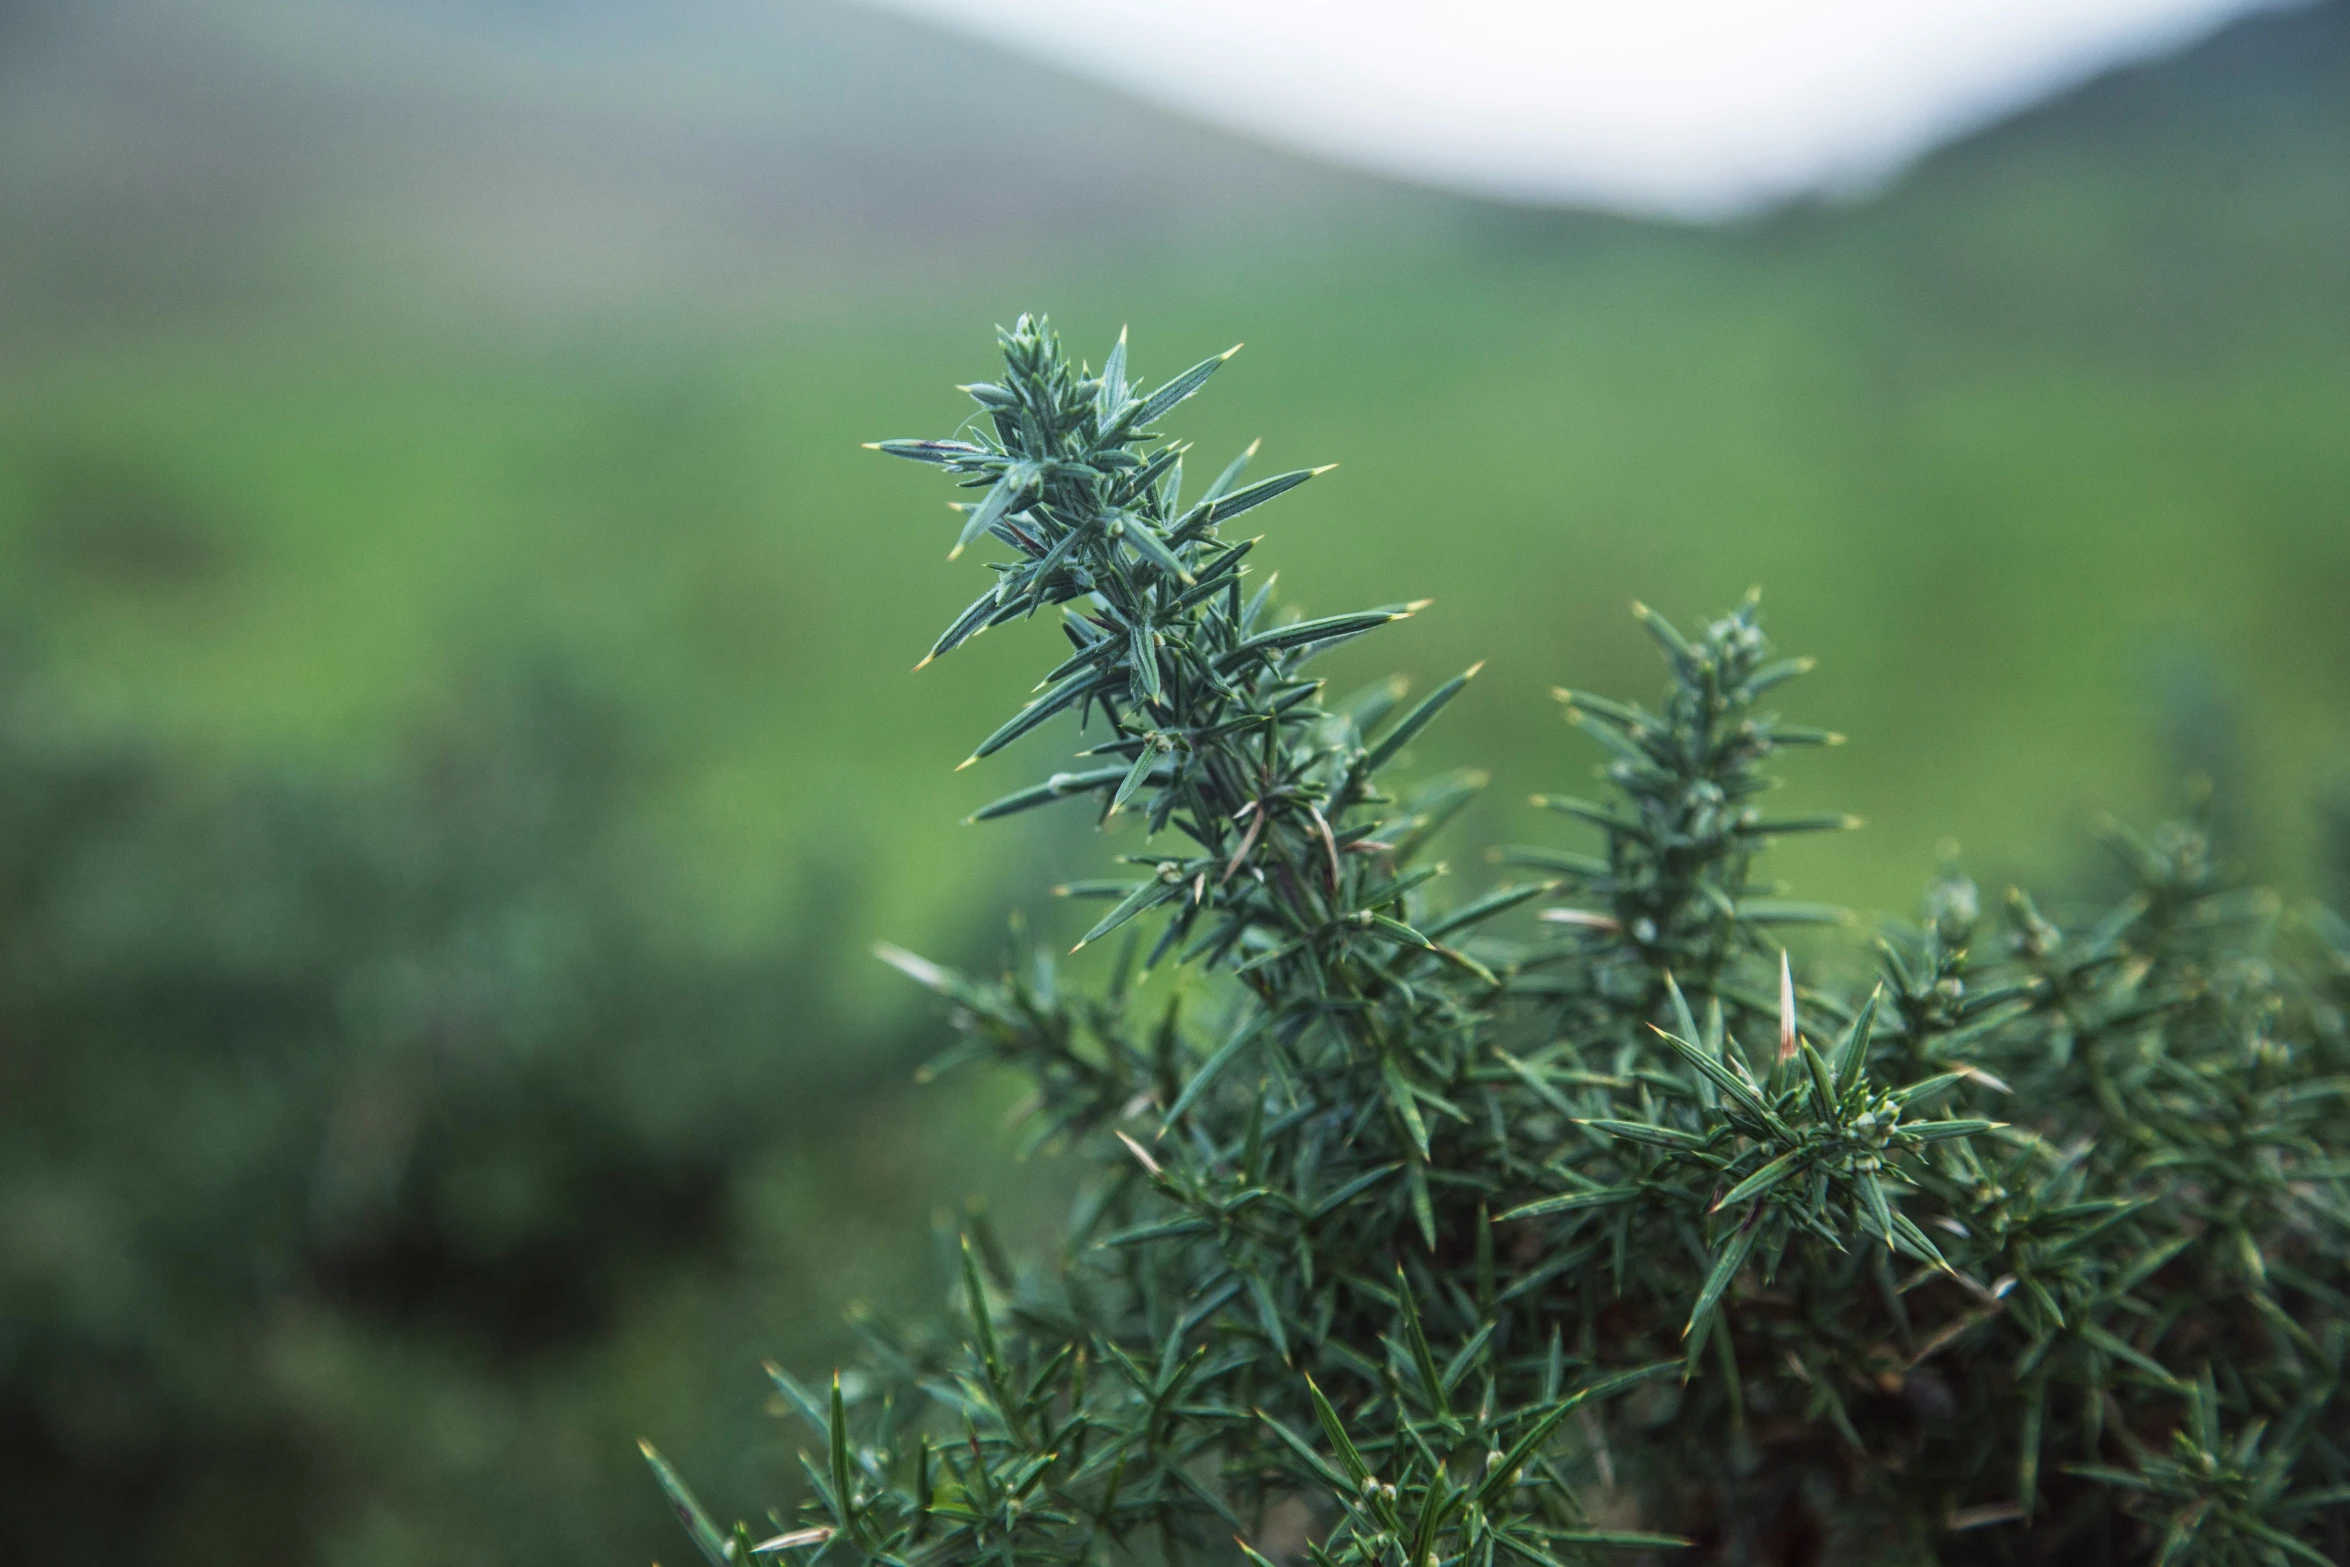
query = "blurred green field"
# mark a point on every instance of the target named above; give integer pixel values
(2009, 447)
(1989, 445)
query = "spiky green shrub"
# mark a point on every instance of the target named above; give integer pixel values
(1413, 1238)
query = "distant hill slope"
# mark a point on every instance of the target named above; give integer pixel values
(576, 157)
(591, 157)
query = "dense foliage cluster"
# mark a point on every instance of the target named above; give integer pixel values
(1414, 1236)
(349, 1172)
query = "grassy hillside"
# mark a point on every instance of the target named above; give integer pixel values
(1990, 443)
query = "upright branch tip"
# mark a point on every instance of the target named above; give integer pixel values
(1786, 1008)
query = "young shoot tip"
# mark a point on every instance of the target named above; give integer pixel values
(1786, 1007)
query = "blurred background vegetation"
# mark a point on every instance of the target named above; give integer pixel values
(455, 738)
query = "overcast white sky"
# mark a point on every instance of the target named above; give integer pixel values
(1684, 108)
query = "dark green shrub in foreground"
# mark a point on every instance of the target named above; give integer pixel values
(1419, 1238)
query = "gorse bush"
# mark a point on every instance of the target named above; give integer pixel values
(1571, 1221)
(352, 1176)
